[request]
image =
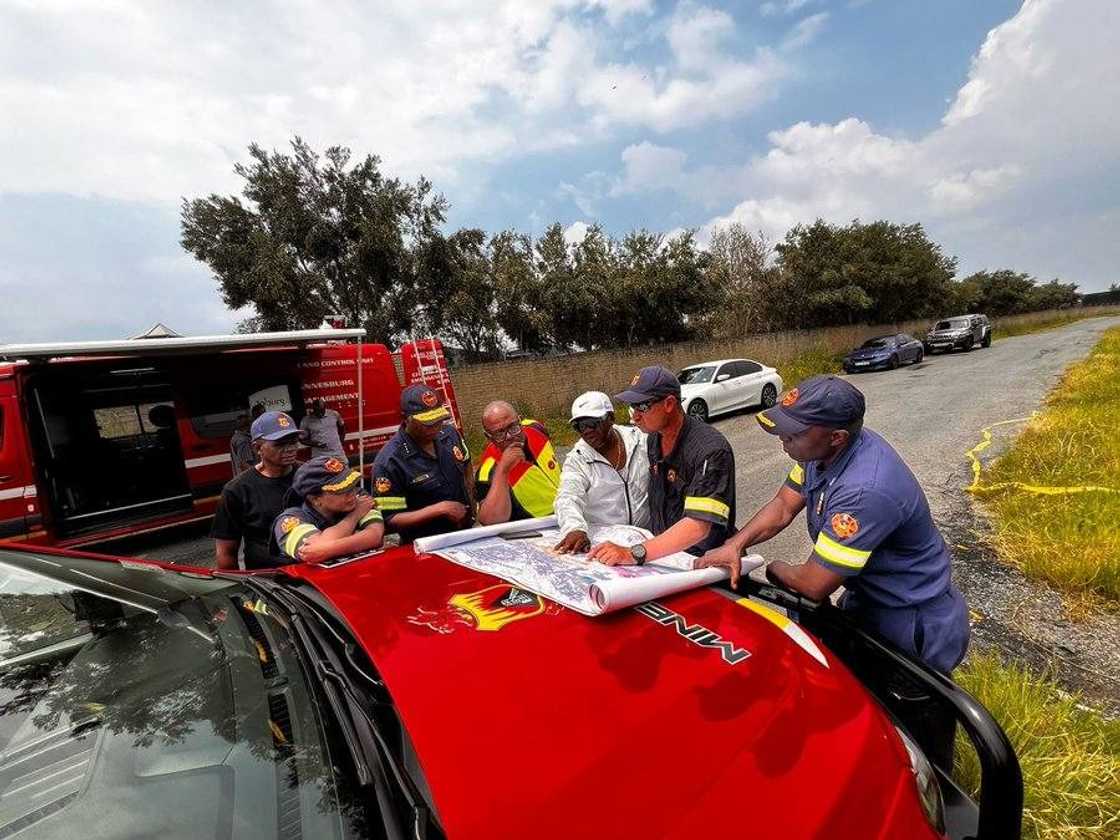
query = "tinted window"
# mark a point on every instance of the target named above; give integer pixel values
(696, 375)
(750, 367)
(732, 369)
(905, 339)
(214, 411)
(885, 341)
(197, 710)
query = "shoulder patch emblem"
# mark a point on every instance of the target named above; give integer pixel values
(288, 523)
(458, 453)
(382, 485)
(334, 466)
(671, 475)
(283, 422)
(791, 396)
(430, 399)
(844, 525)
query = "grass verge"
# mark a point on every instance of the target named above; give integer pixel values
(1070, 755)
(817, 360)
(1072, 541)
(1004, 329)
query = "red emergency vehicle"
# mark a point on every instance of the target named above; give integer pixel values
(105, 439)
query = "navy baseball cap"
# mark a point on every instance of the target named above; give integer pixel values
(423, 404)
(651, 383)
(818, 401)
(324, 474)
(273, 425)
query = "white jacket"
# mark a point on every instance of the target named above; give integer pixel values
(592, 492)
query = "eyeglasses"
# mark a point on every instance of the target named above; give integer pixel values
(586, 424)
(643, 407)
(508, 433)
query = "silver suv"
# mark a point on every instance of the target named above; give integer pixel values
(961, 332)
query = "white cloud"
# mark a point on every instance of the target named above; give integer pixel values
(648, 167)
(575, 232)
(1031, 128)
(155, 101)
(787, 7)
(805, 31)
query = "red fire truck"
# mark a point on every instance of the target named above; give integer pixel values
(106, 439)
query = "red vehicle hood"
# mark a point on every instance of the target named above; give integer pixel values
(531, 720)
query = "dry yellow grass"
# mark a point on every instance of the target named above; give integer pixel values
(1069, 754)
(1070, 540)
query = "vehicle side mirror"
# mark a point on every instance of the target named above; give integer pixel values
(722, 377)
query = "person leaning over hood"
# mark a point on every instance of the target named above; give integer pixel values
(605, 478)
(335, 518)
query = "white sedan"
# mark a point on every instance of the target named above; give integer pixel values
(712, 388)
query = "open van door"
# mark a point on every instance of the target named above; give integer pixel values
(18, 503)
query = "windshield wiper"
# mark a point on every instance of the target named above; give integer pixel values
(361, 732)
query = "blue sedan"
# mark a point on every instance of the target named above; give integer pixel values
(884, 351)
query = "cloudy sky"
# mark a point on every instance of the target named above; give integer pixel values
(994, 124)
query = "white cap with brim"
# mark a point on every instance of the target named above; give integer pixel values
(591, 404)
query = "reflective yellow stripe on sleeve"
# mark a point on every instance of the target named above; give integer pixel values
(391, 503)
(797, 475)
(296, 536)
(707, 505)
(841, 555)
(371, 517)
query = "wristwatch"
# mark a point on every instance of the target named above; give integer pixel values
(638, 552)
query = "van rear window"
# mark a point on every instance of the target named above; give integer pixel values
(214, 412)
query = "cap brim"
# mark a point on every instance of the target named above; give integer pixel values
(343, 484)
(631, 397)
(777, 422)
(591, 415)
(434, 416)
(275, 436)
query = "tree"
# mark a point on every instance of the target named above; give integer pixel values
(747, 284)
(1054, 295)
(519, 292)
(457, 300)
(879, 272)
(317, 236)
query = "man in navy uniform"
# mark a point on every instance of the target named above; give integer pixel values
(333, 517)
(421, 476)
(871, 528)
(692, 474)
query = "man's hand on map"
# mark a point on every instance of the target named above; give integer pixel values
(511, 457)
(576, 542)
(725, 557)
(610, 554)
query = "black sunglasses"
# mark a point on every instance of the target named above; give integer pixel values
(647, 405)
(586, 424)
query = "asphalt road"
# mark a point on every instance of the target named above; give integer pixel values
(932, 413)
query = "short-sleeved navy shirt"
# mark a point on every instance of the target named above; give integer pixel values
(871, 523)
(295, 524)
(406, 478)
(696, 479)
